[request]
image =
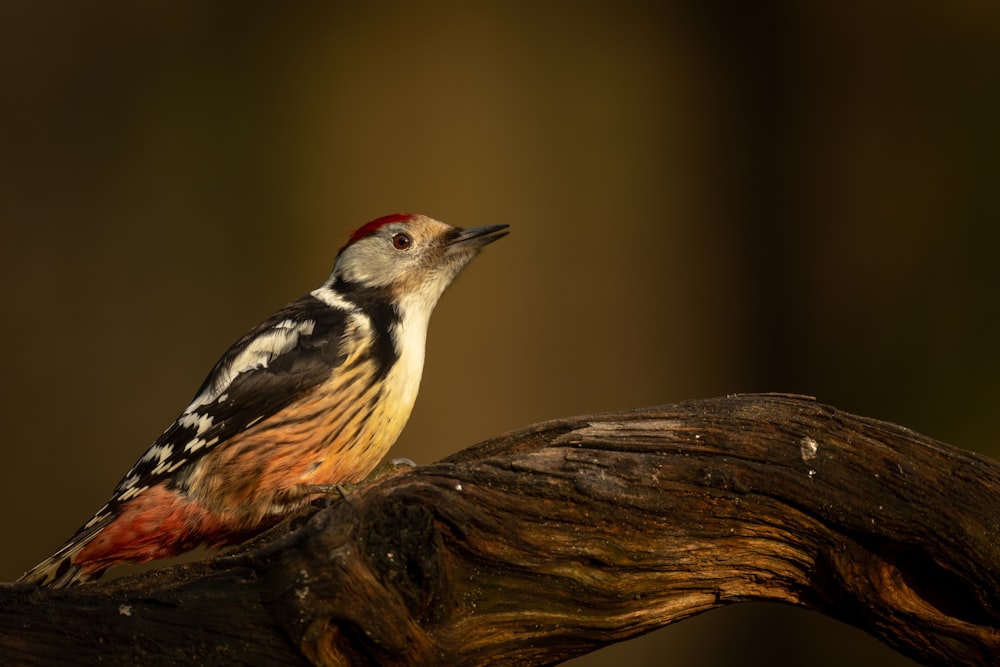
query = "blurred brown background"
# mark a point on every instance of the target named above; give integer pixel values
(775, 196)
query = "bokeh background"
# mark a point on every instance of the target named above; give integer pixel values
(704, 199)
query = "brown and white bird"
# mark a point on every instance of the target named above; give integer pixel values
(313, 396)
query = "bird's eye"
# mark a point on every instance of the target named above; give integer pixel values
(401, 241)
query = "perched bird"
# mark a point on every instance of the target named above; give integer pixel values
(312, 397)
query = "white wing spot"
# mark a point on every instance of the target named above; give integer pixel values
(131, 492)
(158, 452)
(101, 515)
(160, 468)
(196, 421)
(162, 454)
(198, 443)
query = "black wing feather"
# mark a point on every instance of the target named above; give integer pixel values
(253, 394)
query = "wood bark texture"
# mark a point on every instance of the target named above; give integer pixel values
(550, 542)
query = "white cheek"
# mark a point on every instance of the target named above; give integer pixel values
(366, 264)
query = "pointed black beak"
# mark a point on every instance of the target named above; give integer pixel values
(477, 237)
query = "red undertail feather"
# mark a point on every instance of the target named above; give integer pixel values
(158, 523)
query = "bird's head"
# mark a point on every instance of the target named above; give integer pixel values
(409, 256)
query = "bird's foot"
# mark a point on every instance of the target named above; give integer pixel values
(388, 468)
(329, 494)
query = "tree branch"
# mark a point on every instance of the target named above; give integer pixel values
(550, 542)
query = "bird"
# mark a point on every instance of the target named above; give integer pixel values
(309, 399)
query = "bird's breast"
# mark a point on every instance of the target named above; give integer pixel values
(335, 433)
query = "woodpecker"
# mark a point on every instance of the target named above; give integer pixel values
(312, 397)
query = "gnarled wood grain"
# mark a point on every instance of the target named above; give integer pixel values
(546, 543)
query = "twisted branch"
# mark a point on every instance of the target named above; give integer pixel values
(553, 541)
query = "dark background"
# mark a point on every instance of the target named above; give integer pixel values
(780, 196)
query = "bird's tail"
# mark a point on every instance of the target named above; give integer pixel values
(60, 569)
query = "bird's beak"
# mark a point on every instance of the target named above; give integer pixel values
(477, 237)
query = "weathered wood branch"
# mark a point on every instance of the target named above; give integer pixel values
(550, 542)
